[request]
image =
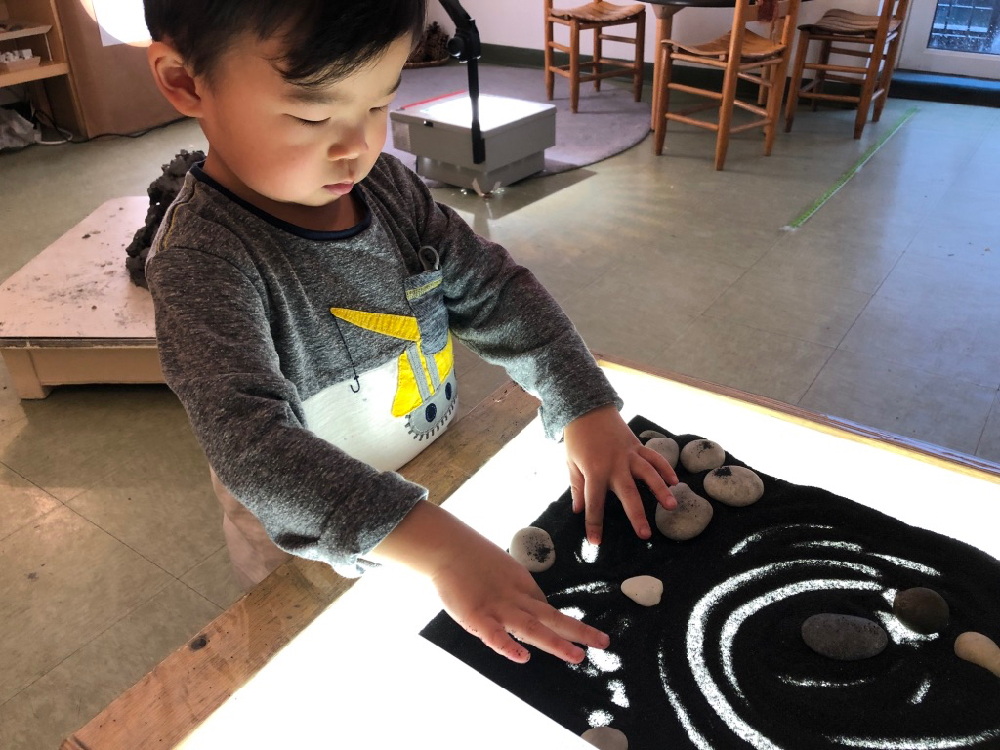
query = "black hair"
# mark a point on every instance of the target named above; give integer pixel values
(322, 40)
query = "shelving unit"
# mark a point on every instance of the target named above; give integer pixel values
(48, 68)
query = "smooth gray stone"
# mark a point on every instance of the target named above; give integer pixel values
(606, 738)
(844, 637)
(922, 610)
(688, 519)
(650, 434)
(666, 447)
(702, 455)
(734, 485)
(533, 548)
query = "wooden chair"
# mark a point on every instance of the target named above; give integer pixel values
(595, 16)
(741, 54)
(878, 37)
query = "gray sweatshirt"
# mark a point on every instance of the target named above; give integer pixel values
(314, 364)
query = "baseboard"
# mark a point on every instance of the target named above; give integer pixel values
(905, 84)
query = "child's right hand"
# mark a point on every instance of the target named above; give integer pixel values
(483, 588)
(495, 598)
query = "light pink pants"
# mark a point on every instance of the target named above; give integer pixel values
(251, 550)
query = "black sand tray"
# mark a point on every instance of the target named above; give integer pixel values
(720, 662)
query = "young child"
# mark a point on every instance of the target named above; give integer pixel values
(307, 288)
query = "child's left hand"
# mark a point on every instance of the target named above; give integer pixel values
(603, 453)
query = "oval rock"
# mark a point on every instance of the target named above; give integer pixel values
(922, 610)
(980, 650)
(533, 548)
(688, 519)
(844, 637)
(666, 447)
(606, 738)
(734, 485)
(702, 455)
(650, 434)
(644, 590)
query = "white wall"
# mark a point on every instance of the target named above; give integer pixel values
(518, 23)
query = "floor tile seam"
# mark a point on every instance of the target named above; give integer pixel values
(89, 642)
(950, 377)
(989, 413)
(201, 595)
(200, 562)
(35, 520)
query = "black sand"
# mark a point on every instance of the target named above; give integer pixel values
(916, 693)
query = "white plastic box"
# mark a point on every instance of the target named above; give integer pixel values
(439, 133)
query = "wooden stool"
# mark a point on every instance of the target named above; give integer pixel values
(596, 16)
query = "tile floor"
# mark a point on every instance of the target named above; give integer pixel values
(883, 308)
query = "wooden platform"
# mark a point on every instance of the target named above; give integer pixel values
(72, 315)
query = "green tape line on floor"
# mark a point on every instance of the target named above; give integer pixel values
(845, 178)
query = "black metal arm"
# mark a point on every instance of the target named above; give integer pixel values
(466, 48)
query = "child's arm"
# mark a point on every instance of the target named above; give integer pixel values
(483, 588)
(604, 454)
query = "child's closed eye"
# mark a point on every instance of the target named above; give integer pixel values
(311, 123)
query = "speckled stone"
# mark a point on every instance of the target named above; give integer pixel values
(844, 637)
(734, 485)
(606, 738)
(688, 519)
(980, 650)
(650, 434)
(702, 455)
(922, 610)
(644, 590)
(533, 548)
(666, 447)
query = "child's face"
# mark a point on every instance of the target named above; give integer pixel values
(268, 144)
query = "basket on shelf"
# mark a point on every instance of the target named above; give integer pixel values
(432, 49)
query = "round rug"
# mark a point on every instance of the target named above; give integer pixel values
(606, 123)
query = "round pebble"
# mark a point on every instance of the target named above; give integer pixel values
(734, 485)
(844, 637)
(980, 650)
(666, 447)
(688, 519)
(702, 455)
(644, 590)
(606, 738)
(533, 548)
(650, 434)
(922, 610)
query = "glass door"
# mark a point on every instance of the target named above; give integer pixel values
(955, 37)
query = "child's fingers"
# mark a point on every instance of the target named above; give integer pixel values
(632, 503)
(494, 635)
(572, 629)
(594, 493)
(576, 485)
(662, 465)
(653, 478)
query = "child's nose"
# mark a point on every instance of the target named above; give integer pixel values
(349, 146)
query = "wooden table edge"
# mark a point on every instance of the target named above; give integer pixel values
(167, 704)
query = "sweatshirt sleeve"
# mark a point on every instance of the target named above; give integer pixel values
(502, 313)
(217, 355)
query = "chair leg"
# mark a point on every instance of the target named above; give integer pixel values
(775, 96)
(598, 50)
(890, 63)
(640, 54)
(725, 118)
(661, 99)
(796, 81)
(549, 75)
(824, 58)
(574, 66)
(762, 90)
(867, 89)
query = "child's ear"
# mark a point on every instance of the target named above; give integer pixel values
(173, 79)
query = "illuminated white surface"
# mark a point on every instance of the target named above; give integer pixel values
(361, 674)
(494, 111)
(121, 21)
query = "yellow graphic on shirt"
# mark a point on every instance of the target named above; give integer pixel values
(413, 388)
